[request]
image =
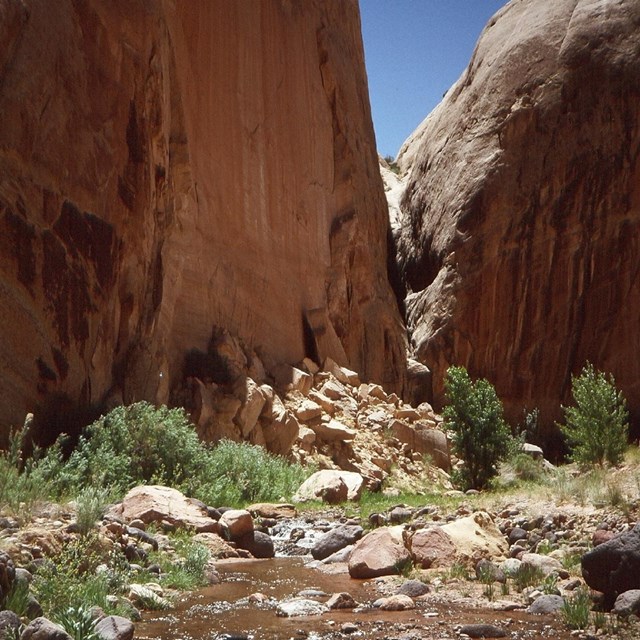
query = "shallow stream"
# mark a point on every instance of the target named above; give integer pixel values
(226, 610)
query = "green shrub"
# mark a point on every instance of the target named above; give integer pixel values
(69, 580)
(138, 444)
(597, 425)
(576, 611)
(78, 622)
(480, 436)
(237, 473)
(90, 507)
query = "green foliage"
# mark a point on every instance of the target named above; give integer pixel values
(480, 436)
(90, 505)
(138, 444)
(142, 444)
(17, 599)
(597, 425)
(20, 488)
(576, 611)
(78, 622)
(237, 473)
(69, 580)
(187, 571)
(527, 576)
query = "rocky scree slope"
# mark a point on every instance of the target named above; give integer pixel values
(517, 234)
(167, 167)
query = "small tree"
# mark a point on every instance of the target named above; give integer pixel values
(480, 436)
(597, 425)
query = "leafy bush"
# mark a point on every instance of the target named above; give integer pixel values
(69, 580)
(138, 444)
(237, 473)
(142, 444)
(90, 507)
(597, 425)
(480, 436)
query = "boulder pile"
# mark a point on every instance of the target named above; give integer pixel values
(323, 415)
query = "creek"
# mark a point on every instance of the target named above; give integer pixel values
(230, 610)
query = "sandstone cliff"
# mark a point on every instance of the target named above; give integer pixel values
(519, 244)
(170, 167)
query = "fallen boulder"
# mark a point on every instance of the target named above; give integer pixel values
(336, 539)
(163, 504)
(381, 552)
(325, 485)
(613, 567)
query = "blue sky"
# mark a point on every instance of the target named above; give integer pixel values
(415, 50)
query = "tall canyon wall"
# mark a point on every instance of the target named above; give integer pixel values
(519, 241)
(167, 167)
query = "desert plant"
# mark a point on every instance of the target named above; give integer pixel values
(576, 611)
(480, 436)
(17, 600)
(597, 424)
(90, 506)
(236, 473)
(138, 444)
(69, 580)
(527, 576)
(78, 622)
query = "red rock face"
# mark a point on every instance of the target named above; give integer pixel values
(167, 167)
(519, 241)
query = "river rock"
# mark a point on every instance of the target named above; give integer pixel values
(218, 547)
(397, 602)
(339, 556)
(7, 574)
(341, 600)
(477, 536)
(413, 588)
(235, 523)
(257, 543)
(432, 547)
(614, 566)
(163, 504)
(328, 482)
(336, 539)
(115, 628)
(546, 564)
(300, 607)
(482, 630)
(9, 624)
(43, 629)
(545, 604)
(381, 552)
(627, 603)
(272, 511)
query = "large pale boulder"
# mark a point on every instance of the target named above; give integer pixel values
(136, 212)
(156, 504)
(516, 243)
(477, 535)
(316, 484)
(333, 431)
(381, 552)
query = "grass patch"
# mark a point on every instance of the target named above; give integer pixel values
(70, 580)
(576, 611)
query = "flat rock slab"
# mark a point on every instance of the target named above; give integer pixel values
(482, 631)
(163, 504)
